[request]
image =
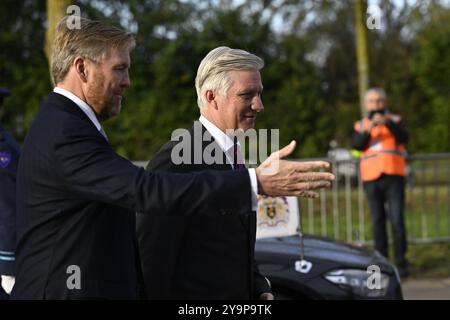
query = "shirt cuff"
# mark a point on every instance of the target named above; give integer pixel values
(254, 184)
(8, 283)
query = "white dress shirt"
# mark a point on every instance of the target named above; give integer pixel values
(226, 144)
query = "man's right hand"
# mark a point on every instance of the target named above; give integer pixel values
(277, 177)
(7, 282)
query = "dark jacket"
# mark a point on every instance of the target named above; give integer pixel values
(199, 257)
(9, 158)
(76, 204)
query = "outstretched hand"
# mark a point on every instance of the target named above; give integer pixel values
(278, 177)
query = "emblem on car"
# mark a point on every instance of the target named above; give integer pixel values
(303, 266)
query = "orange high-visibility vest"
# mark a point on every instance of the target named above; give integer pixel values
(383, 154)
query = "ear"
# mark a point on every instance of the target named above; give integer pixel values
(81, 68)
(211, 98)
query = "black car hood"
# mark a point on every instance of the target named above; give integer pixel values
(324, 249)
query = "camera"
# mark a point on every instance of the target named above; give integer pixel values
(374, 112)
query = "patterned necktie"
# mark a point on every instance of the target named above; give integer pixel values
(236, 164)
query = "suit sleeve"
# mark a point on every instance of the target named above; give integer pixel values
(91, 169)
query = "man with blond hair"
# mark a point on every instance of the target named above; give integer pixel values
(76, 198)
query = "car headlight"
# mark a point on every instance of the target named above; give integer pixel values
(356, 281)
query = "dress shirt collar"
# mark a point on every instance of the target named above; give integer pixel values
(225, 142)
(81, 104)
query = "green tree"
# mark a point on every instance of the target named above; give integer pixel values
(310, 78)
(23, 66)
(431, 65)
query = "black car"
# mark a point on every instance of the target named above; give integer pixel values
(330, 270)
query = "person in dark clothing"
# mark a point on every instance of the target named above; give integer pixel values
(382, 136)
(9, 158)
(77, 198)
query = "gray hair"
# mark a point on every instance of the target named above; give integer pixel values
(213, 72)
(378, 90)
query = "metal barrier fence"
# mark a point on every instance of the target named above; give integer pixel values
(341, 212)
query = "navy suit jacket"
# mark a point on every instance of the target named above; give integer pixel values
(199, 257)
(76, 204)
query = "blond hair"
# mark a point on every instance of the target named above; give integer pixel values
(93, 40)
(213, 72)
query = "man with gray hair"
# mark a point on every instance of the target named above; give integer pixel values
(76, 198)
(194, 257)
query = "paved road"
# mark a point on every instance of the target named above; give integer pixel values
(426, 289)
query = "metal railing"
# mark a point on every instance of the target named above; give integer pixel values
(341, 212)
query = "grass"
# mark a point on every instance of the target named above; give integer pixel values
(346, 216)
(431, 260)
(427, 216)
(427, 260)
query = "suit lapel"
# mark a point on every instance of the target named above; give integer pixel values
(61, 102)
(211, 144)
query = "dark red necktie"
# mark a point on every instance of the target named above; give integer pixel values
(236, 164)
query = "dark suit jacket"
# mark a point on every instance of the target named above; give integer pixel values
(76, 204)
(9, 158)
(199, 257)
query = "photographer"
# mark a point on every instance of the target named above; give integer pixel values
(382, 137)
